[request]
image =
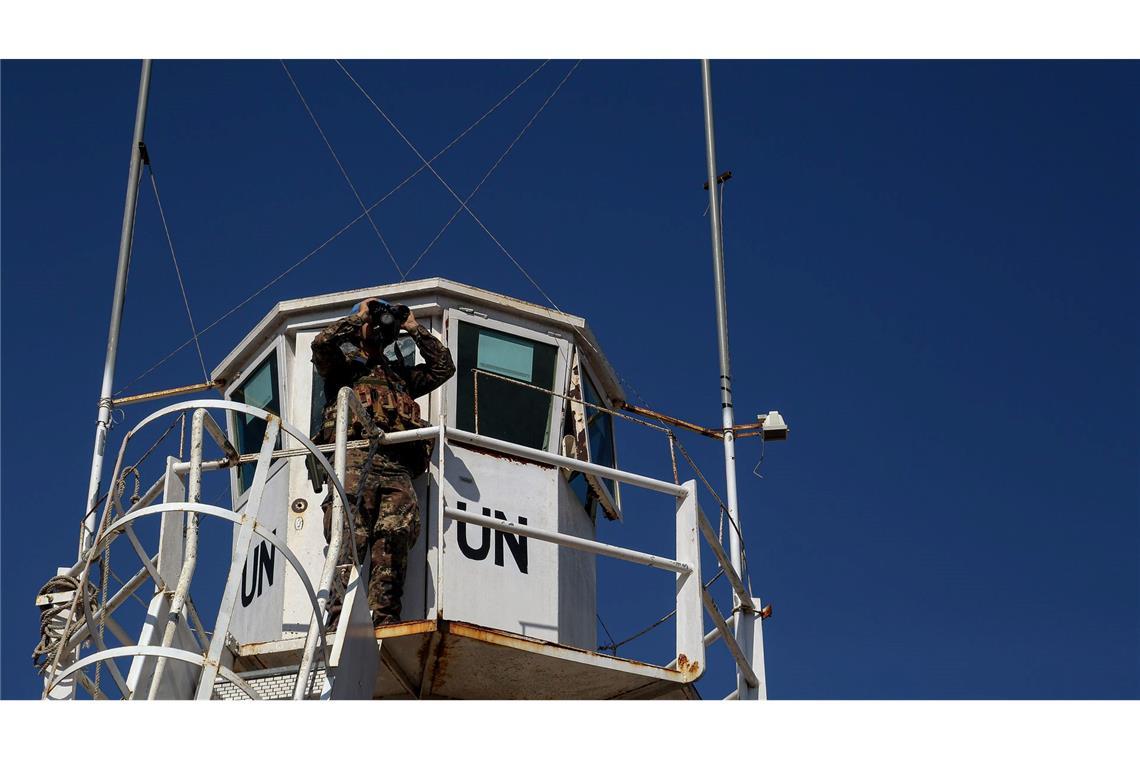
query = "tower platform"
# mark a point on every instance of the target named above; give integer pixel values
(447, 659)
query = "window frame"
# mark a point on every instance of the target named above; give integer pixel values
(454, 315)
(611, 502)
(275, 348)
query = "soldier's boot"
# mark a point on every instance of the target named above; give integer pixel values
(384, 596)
(390, 565)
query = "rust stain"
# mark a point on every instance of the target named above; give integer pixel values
(403, 628)
(529, 643)
(687, 666)
(501, 455)
(440, 660)
(422, 650)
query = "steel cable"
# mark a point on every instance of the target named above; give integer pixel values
(334, 236)
(177, 271)
(462, 203)
(491, 171)
(343, 171)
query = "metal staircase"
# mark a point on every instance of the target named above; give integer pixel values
(172, 657)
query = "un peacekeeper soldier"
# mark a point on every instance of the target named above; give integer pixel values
(387, 515)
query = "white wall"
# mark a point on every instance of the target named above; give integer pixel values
(485, 581)
(577, 575)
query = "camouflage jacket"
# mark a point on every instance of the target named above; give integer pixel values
(386, 388)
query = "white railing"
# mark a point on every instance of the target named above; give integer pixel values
(87, 619)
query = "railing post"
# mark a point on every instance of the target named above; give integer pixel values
(347, 406)
(190, 555)
(750, 637)
(441, 504)
(690, 619)
(238, 560)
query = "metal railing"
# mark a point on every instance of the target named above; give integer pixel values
(723, 627)
(86, 619)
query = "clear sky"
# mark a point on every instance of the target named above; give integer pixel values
(932, 274)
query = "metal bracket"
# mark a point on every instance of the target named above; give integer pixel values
(724, 177)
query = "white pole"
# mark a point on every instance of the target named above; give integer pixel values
(743, 687)
(126, 237)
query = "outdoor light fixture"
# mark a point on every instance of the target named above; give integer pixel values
(773, 427)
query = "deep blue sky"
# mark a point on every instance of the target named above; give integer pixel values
(932, 274)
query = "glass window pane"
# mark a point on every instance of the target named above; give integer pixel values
(584, 493)
(316, 403)
(260, 390)
(505, 355)
(600, 430)
(507, 411)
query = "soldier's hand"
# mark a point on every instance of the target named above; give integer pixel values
(365, 329)
(410, 323)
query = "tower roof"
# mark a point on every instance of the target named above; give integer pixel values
(447, 293)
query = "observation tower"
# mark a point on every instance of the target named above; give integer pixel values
(501, 592)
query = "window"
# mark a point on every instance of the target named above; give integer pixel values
(599, 447)
(507, 410)
(599, 431)
(316, 403)
(260, 389)
(584, 493)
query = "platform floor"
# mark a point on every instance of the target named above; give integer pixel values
(446, 659)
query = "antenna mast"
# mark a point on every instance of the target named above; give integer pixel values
(746, 642)
(126, 238)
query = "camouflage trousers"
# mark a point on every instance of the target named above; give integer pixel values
(387, 524)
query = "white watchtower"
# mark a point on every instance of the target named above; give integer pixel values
(500, 596)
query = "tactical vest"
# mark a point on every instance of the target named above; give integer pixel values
(392, 408)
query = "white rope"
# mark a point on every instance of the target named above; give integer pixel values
(490, 171)
(334, 236)
(343, 171)
(177, 271)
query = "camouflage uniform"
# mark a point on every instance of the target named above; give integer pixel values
(387, 515)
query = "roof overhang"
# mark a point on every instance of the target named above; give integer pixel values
(294, 310)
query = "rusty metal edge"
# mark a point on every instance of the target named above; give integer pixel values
(435, 649)
(564, 652)
(282, 646)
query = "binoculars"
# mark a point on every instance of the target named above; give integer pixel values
(385, 319)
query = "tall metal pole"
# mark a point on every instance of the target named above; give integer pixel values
(725, 371)
(126, 237)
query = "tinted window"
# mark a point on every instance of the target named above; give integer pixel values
(507, 410)
(584, 493)
(317, 403)
(260, 390)
(599, 430)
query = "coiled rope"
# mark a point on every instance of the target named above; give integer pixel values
(51, 633)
